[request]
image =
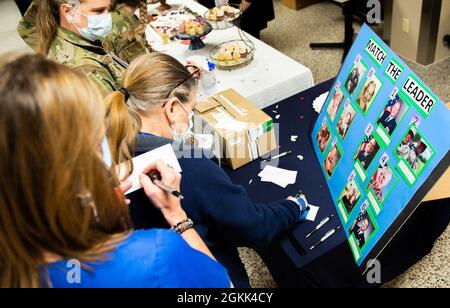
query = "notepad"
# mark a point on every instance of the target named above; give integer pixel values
(164, 153)
(278, 176)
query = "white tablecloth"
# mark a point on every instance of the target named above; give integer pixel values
(270, 78)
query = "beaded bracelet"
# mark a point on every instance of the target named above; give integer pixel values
(183, 226)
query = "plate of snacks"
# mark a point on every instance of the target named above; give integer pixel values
(194, 29)
(223, 17)
(233, 54)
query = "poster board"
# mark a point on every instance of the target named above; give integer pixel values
(383, 140)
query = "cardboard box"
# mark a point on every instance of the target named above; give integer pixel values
(246, 132)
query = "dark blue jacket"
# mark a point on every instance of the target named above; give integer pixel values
(223, 213)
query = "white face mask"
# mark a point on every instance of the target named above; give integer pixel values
(180, 131)
(98, 28)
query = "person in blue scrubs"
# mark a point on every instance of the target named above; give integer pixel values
(64, 221)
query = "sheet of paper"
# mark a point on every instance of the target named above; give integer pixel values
(164, 153)
(319, 101)
(312, 214)
(278, 176)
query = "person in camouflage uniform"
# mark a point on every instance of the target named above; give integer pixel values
(127, 39)
(88, 58)
(100, 62)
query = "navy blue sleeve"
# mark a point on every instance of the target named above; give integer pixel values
(228, 210)
(180, 266)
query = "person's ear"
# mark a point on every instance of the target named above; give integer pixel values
(171, 109)
(65, 11)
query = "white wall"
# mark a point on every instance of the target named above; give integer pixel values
(406, 44)
(443, 51)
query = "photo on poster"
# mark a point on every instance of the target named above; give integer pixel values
(335, 104)
(346, 119)
(366, 152)
(332, 159)
(323, 136)
(355, 76)
(381, 185)
(414, 154)
(368, 93)
(349, 198)
(392, 114)
(362, 229)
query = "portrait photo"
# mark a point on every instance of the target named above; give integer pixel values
(346, 120)
(355, 77)
(368, 93)
(415, 150)
(362, 228)
(335, 104)
(392, 114)
(367, 151)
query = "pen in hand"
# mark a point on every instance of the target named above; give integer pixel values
(156, 179)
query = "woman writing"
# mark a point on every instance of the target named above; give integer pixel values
(60, 203)
(154, 108)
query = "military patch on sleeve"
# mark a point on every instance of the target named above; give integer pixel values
(134, 50)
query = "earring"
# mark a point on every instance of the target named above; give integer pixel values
(87, 201)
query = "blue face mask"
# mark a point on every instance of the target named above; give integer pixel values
(106, 153)
(98, 28)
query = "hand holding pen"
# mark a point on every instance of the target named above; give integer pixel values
(163, 190)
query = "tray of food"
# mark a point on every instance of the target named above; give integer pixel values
(223, 17)
(167, 23)
(233, 54)
(193, 29)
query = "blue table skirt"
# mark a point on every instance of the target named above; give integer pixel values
(331, 264)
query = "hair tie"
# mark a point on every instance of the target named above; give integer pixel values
(125, 92)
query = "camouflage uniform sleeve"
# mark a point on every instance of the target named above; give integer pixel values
(27, 26)
(124, 39)
(100, 76)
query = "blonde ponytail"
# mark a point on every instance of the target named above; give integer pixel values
(150, 80)
(122, 126)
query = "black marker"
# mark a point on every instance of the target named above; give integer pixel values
(156, 179)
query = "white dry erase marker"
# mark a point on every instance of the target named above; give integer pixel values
(279, 156)
(320, 225)
(326, 236)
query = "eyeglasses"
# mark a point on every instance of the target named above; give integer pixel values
(187, 78)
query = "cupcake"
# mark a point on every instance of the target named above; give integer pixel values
(220, 15)
(244, 52)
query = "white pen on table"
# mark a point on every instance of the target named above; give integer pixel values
(320, 225)
(326, 236)
(279, 156)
